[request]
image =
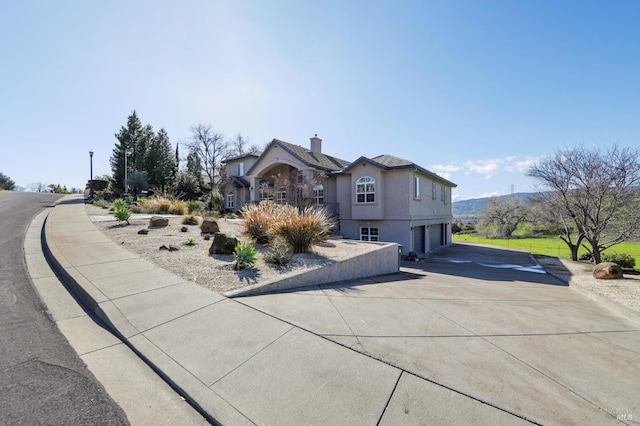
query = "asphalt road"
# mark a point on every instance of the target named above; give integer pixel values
(42, 379)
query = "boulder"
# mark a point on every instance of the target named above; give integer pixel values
(223, 244)
(158, 221)
(607, 271)
(209, 226)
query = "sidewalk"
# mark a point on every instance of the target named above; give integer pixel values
(234, 363)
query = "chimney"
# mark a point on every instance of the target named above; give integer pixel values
(316, 144)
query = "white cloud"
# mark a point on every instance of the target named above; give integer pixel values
(489, 194)
(484, 167)
(440, 168)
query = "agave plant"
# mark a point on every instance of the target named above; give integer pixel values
(245, 256)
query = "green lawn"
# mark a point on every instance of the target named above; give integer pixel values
(550, 246)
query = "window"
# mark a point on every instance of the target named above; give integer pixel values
(240, 169)
(266, 193)
(442, 194)
(446, 195)
(231, 201)
(368, 234)
(281, 196)
(318, 194)
(433, 190)
(416, 193)
(366, 190)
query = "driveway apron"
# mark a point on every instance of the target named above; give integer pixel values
(486, 323)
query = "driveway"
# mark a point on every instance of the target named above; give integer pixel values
(487, 323)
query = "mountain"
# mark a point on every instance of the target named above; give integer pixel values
(472, 209)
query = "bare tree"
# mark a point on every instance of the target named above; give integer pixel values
(297, 185)
(548, 207)
(505, 214)
(597, 190)
(211, 147)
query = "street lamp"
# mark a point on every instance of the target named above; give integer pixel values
(91, 181)
(126, 154)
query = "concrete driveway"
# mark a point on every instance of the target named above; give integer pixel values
(487, 323)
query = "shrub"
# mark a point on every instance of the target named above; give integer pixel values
(245, 256)
(279, 253)
(215, 202)
(146, 204)
(100, 203)
(178, 207)
(118, 203)
(258, 219)
(190, 220)
(136, 208)
(191, 241)
(623, 259)
(193, 206)
(161, 205)
(122, 214)
(303, 230)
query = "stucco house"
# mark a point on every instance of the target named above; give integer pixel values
(383, 198)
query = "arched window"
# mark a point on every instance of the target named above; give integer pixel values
(366, 190)
(318, 194)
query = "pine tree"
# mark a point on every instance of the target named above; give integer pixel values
(128, 139)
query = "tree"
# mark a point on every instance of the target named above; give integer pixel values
(238, 144)
(128, 145)
(297, 185)
(547, 208)
(194, 167)
(505, 214)
(57, 189)
(39, 187)
(160, 163)
(211, 147)
(186, 186)
(6, 183)
(597, 190)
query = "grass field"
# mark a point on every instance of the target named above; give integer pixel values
(550, 246)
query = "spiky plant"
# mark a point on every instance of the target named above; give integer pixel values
(122, 214)
(245, 256)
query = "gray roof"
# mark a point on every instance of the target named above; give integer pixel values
(316, 160)
(389, 162)
(241, 156)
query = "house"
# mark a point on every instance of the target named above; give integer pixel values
(383, 198)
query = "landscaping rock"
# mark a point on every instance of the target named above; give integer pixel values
(223, 244)
(207, 237)
(209, 226)
(143, 231)
(169, 247)
(158, 221)
(607, 271)
(183, 229)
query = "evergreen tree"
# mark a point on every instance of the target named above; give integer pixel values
(160, 163)
(6, 183)
(128, 139)
(194, 167)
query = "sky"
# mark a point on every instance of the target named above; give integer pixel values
(474, 90)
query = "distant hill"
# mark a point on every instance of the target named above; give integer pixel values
(472, 209)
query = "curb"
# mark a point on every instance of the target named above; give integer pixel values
(92, 303)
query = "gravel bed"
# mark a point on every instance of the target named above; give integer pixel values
(625, 291)
(194, 263)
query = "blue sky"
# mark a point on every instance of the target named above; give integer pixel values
(475, 90)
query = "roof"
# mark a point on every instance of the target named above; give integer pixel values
(316, 160)
(389, 162)
(240, 182)
(241, 156)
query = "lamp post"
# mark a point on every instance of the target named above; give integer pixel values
(126, 151)
(91, 180)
